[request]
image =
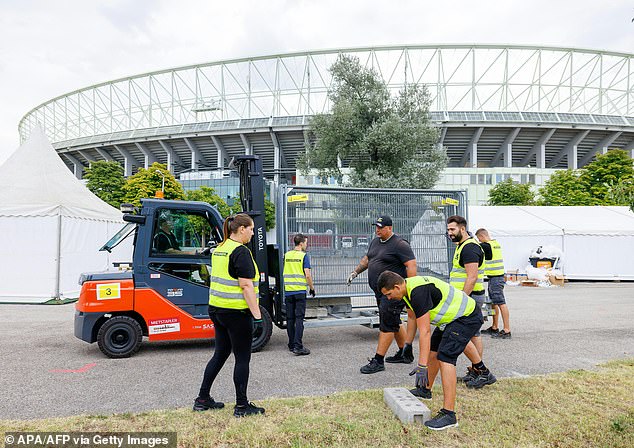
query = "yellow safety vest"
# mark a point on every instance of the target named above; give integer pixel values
(224, 290)
(453, 305)
(458, 274)
(494, 266)
(294, 277)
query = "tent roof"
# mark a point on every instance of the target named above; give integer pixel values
(35, 182)
(512, 220)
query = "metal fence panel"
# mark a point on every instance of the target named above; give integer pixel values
(339, 226)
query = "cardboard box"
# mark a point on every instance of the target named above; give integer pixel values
(511, 276)
(556, 280)
(529, 283)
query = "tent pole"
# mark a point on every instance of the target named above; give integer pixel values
(59, 254)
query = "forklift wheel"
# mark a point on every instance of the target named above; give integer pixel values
(120, 337)
(262, 334)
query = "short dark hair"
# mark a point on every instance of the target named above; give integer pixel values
(299, 239)
(388, 279)
(457, 219)
(481, 231)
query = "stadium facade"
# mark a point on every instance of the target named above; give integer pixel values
(503, 111)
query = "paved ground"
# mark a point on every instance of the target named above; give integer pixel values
(554, 329)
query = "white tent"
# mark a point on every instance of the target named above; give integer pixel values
(597, 242)
(51, 226)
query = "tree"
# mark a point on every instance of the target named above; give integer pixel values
(511, 193)
(388, 142)
(269, 212)
(607, 170)
(208, 194)
(146, 182)
(105, 179)
(621, 193)
(566, 188)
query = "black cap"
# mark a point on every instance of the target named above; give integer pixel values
(383, 221)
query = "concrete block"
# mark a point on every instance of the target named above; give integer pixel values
(406, 406)
(315, 312)
(332, 301)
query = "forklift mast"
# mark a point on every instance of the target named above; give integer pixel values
(252, 200)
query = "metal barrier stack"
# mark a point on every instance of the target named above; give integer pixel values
(339, 225)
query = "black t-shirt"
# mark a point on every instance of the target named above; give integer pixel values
(472, 253)
(488, 253)
(241, 263)
(390, 255)
(424, 298)
(164, 241)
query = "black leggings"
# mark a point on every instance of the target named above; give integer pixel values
(234, 332)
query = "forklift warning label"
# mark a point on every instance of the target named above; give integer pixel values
(174, 292)
(168, 325)
(107, 291)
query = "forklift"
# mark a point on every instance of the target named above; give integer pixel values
(164, 294)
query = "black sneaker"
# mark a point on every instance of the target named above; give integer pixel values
(501, 335)
(246, 410)
(301, 351)
(443, 420)
(397, 358)
(490, 330)
(373, 366)
(423, 393)
(203, 404)
(408, 354)
(483, 379)
(471, 374)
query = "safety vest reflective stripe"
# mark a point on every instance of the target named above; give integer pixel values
(496, 265)
(294, 278)
(458, 274)
(224, 290)
(453, 305)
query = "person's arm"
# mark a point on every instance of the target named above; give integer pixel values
(424, 338)
(410, 268)
(309, 278)
(362, 266)
(472, 277)
(248, 291)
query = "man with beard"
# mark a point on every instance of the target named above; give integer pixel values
(467, 274)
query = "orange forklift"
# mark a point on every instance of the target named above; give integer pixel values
(164, 293)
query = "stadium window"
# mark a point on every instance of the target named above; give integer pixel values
(473, 179)
(488, 179)
(481, 179)
(524, 178)
(499, 178)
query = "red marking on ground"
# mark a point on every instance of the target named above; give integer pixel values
(86, 368)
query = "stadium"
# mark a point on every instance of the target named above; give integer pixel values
(503, 111)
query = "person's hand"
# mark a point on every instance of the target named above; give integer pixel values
(258, 327)
(312, 293)
(422, 379)
(352, 276)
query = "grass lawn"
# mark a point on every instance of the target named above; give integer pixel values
(574, 409)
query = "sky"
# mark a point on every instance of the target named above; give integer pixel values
(48, 48)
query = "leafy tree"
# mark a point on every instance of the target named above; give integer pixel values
(146, 182)
(566, 188)
(621, 193)
(388, 142)
(105, 180)
(208, 194)
(269, 212)
(607, 170)
(511, 193)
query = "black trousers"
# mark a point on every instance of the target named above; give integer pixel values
(234, 332)
(295, 312)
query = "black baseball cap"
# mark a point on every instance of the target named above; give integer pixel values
(383, 221)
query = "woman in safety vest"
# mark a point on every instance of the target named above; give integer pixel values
(233, 309)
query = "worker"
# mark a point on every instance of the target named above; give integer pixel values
(297, 277)
(494, 270)
(164, 239)
(457, 318)
(234, 310)
(467, 274)
(388, 252)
